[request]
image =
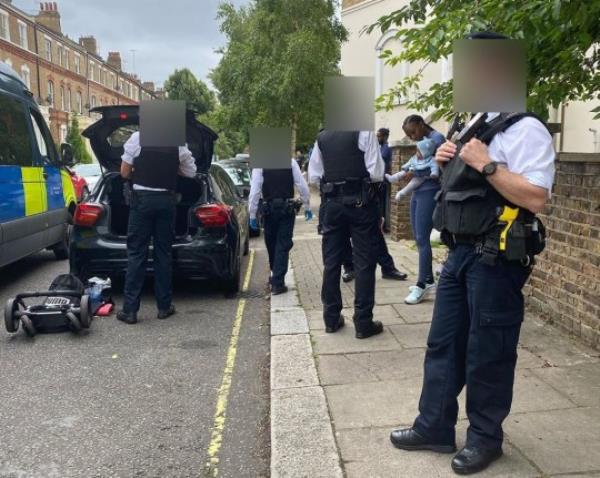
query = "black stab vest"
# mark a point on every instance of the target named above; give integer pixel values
(467, 204)
(278, 184)
(342, 158)
(157, 168)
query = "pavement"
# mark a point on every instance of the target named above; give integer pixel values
(157, 399)
(335, 399)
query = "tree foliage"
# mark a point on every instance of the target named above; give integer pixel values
(230, 141)
(273, 67)
(74, 138)
(183, 85)
(562, 40)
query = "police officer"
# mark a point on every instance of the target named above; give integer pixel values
(490, 192)
(279, 213)
(346, 164)
(153, 172)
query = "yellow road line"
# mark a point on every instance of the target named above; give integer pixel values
(216, 439)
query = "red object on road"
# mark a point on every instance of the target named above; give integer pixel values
(105, 309)
(79, 183)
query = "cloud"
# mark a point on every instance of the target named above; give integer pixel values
(165, 34)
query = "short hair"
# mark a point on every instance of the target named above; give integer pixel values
(384, 131)
(415, 119)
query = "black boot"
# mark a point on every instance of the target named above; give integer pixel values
(374, 328)
(472, 459)
(127, 318)
(409, 439)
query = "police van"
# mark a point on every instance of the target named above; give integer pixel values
(37, 198)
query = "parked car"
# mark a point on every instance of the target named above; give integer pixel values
(211, 222)
(91, 173)
(37, 198)
(79, 183)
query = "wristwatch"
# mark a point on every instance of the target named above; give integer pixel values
(489, 169)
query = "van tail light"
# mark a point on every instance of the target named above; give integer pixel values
(87, 214)
(213, 215)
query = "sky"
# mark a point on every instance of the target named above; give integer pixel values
(166, 34)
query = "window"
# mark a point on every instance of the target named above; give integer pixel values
(93, 101)
(66, 62)
(69, 98)
(59, 54)
(63, 133)
(63, 100)
(120, 136)
(15, 141)
(48, 46)
(4, 28)
(79, 103)
(43, 138)
(26, 76)
(50, 97)
(23, 41)
(91, 70)
(77, 60)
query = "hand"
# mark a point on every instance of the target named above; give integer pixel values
(399, 195)
(308, 214)
(445, 152)
(475, 154)
(253, 223)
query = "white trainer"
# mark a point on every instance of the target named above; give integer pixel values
(417, 295)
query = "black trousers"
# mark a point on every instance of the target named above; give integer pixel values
(151, 216)
(384, 258)
(339, 222)
(473, 341)
(279, 221)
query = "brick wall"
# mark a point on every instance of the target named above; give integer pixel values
(565, 285)
(400, 211)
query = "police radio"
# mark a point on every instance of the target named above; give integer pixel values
(470, 130)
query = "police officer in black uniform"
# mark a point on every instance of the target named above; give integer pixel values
(347, 164)
(153, 172)
(279, 215)
(491, 190)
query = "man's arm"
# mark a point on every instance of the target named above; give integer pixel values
(187, 163)
(315, 165)
(367, 142)
(255, 191)
(126, 170)
(301, 185)
(131, 150)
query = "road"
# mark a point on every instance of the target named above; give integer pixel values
(138, 400)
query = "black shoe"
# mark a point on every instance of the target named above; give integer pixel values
(409, 439)
(348, 276)
(278, 289)
(394, 274)
(127, 318)
(472, 459)
(164, 314)
(374, 328)
(336, 327)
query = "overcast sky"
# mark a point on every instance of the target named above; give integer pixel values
(166, 34)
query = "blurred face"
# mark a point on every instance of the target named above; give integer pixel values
(415, 131)
(381, 137)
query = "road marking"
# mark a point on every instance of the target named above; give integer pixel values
(216, 439)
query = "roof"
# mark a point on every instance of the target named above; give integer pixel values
(11, 82)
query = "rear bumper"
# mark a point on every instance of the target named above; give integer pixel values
(199, 258)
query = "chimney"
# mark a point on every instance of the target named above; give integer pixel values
(114, 59)
(49, 16)
(89, 43)
(148, 85)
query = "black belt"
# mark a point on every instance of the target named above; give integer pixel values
(466, 239)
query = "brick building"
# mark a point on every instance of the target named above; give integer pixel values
(66, 77)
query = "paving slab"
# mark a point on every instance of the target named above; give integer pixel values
(559, 441)
(289, 299)
(359, 446)
(370, 366)
(344, 341)
(581, 383)
(292, 363)
(374, 404)
(412, 335)
(414, 314)
(289, 321)
(302, 442)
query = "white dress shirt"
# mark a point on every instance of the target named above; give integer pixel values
(257, 182)
(132, 149)
(525, 148)
(367, 142)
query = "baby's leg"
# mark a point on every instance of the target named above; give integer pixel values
(413, 184)
(394, 178)
(435, 169)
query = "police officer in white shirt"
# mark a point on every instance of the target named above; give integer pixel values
(347, 164)
(279, 214)
(153, 172)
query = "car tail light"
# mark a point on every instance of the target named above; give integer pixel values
(87, 214)
(213, 215)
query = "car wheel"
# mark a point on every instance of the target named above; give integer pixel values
(85, 313)
(10, 320)
(28, 326)
(74, 323)
(61, 249)
(232, 286)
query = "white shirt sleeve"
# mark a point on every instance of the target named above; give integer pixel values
(315, 165)
(187, 163)
(255, 191)
(526, 148)
(301, 185)
(131, 148)
(367, 142)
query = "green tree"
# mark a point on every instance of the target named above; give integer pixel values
(230, 141)
(183, 85)
(273, 67)
(76, 141)
(561, 37)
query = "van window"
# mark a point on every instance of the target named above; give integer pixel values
(15, 141)
(43, 138)
(120, 136)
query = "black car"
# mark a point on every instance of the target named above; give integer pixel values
(211, 222)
